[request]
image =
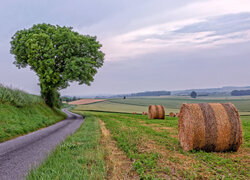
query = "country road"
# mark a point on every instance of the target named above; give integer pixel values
(17, 156)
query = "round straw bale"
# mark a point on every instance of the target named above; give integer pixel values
(156, 112)
(210, 127)
(144, 113)
(171, 114)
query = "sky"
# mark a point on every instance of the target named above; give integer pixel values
(148, 44)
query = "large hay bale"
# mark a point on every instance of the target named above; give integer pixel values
(210, 127)
(156, 112)
(171, 114)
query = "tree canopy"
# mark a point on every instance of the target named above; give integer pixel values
(193, 94)
(58, 55)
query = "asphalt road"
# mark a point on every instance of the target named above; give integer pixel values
(19, 155)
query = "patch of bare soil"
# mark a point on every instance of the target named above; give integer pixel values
(85, 101)
(118, 164)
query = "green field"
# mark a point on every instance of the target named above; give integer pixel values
(151, 146)
(171, 104)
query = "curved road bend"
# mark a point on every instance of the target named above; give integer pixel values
(17, 156)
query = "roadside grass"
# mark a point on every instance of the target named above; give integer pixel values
(17, 97)
(154, 148)
(80, 156)
(21, 113)
(66, 105)
(17, 121)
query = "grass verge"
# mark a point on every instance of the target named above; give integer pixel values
(80, 156)
(21, 113)
(17, 97)
(17, 121)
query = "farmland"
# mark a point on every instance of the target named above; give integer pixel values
(172, 104)
(151, 150)
(130, 146)
(154, 148)
(85, 101)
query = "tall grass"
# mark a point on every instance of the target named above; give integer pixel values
(17, 97)
(21, 113)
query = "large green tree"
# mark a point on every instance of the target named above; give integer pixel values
(58, 55)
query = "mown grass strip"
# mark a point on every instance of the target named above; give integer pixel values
(80, 156)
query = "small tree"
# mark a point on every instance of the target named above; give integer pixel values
(193, 94)
(58, 55)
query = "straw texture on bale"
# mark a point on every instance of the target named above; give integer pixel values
(210, 127)
(156, 112)
(171, 114)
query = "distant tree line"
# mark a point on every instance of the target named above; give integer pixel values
(146, 93)
(151, 93)
(240, 92)
(202, 94)
(69, 99)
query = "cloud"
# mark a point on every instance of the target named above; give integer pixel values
(220, 24)
(223, 66)
(143, 40)
(210, 8)
(185, 35)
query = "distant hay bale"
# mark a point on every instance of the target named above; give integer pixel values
(210, 127)
(144, 113)
(156, 112)
(171, 114)
(177, 114)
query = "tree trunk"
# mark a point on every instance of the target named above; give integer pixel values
(50, 96)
